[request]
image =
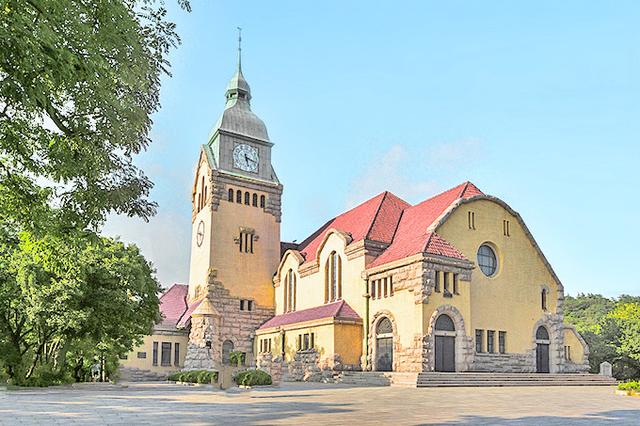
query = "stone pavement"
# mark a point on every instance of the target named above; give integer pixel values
(305, 403)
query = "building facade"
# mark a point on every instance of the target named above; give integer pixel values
(455, 283)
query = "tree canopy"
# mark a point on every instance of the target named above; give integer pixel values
(79, 80)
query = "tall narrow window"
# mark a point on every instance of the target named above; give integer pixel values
(245, 241)
(502, 342)
(333, 278)
(155, 353)
(373, 289)
(543, 301)
(255, 200)
(386, 288)
(176, 354)
(290, 291)
(204, 200)
(479, 338)
(239, 196)
(455, 284)
(262, 201)
(505, 228)
(446, 276)
(437, 281)
(390, 286)
(247, 198)
(490, 340)
(471, 216)
(230, 196)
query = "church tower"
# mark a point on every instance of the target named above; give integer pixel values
(235, 243)
(236, 203)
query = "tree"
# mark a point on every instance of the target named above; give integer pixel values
(79, 80)
(627, 318)
(610, 328)
(58, 294)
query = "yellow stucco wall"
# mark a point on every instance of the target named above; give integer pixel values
(571, 340)
(346, 342)
(133, 361)
(510, 300)
(404, 312)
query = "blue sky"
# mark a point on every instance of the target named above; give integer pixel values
(535, 102)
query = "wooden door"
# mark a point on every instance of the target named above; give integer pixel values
(445, 353)
(542, 358)
(384, 354)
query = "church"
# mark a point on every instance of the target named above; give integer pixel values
(455, 283)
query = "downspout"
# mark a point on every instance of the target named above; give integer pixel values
(365, 323)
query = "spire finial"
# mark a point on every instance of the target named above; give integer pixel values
(239, 48)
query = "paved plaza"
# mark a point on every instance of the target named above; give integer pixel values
(308, 404)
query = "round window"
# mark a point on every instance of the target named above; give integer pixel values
(487, 260)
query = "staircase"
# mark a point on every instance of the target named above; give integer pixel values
(128, 374)
(426, 380)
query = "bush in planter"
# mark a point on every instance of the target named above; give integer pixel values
(253, 378)
(195, 376)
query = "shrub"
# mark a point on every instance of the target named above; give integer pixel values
(195, 376)
(630, 386)
(253, 378)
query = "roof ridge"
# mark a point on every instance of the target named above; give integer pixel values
(375, 216)
(466, 185)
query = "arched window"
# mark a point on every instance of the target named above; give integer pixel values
(333, 278)
(543, 301)
(542, 333)
(384, 326)
(231, 195)
(199, 202)
(445, 323)
(247, 198)
(204, 199)
(239, 196)
(255, 200)
(227, 348)
(262, 201)
(290, 291)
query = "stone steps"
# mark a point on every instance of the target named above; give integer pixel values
(510, 379)
(139, 375)
(471, 379)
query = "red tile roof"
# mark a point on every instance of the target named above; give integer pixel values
(173, 304)
(412, 236)
(186, 318)
(338, 310)
(375, 219)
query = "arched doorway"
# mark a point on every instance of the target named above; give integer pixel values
(227, 348)
(445, 355)
(384, 345)
(542, 350)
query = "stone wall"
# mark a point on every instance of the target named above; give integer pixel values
(228, 323)
(504, 363)
(271, 364)
(409, 359)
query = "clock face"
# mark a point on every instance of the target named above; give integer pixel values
(245, 157)
(200, 234)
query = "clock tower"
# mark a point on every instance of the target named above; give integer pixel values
(236, 204)
(235, 243)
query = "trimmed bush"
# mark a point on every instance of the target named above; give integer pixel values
(253, 378)
(629, 386)
(195, 376)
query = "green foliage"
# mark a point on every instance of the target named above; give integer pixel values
(66, 300)
(237, 358)
(253, 378)
(79, 81)
(195, 376)
(611, 328)
(629, 386)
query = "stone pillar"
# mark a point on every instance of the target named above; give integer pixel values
(606, 369)
(203, 350)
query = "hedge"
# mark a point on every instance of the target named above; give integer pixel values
(630, 386)
(194, 376)
(253, 378)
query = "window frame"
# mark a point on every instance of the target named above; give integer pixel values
(491, 336)
(479, 340)
(165, 348)
(493, 263)
(154, 359)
